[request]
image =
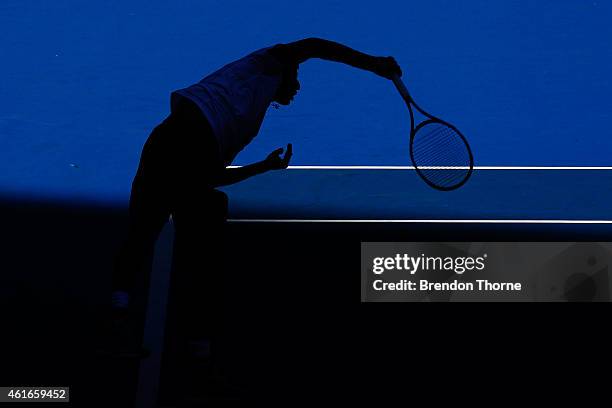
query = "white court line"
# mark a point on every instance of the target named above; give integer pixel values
(489, 221)
(475, 167)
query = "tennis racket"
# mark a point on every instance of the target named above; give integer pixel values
(440, 154)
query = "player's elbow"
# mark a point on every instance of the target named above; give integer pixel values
(312, 40)
(307, 48)
(314, 45)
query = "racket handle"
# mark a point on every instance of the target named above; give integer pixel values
(401, 88)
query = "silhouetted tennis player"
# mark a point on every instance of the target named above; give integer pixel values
(187, 155)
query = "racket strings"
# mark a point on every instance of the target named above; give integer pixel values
(434, 145)
(441, 155)
(435, 152)
(440, 149)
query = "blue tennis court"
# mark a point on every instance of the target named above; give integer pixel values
(527, 83)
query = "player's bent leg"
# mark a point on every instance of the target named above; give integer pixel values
(149, 211)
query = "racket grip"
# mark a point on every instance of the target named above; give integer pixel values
(401, 88)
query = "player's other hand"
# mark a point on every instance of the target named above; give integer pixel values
(386, 67)
(275, 161)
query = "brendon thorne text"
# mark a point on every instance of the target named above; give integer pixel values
(455, 285)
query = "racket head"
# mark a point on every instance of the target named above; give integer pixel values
(441, 155)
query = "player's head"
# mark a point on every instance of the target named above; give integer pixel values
(289, 85)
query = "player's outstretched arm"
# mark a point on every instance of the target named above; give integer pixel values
(274, 161)
(302, 50)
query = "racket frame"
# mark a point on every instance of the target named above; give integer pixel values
(401, 88)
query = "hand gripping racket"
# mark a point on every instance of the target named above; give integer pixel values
(440, 154)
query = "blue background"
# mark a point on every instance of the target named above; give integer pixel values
(83, 83)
